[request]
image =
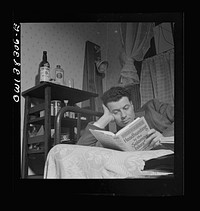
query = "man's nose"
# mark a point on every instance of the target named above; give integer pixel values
(123, 114)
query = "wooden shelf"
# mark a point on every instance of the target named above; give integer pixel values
(36, 139)
(35, 177)
(37, 120)
(66, 121)
(34, 151)
(37, 99)
(59, 92)
(36, 108)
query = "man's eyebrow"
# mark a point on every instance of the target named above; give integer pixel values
(126, 105)
(119, 109)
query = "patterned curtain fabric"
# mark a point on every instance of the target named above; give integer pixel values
(135, 39)
(157, 78)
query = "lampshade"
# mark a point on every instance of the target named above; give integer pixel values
(102, 66)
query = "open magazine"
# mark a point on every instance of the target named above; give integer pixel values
(130, 138)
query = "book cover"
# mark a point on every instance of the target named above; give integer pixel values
(130, 138)
(162, 163)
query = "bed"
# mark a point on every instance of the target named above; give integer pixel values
(69, 161)
(72, 161)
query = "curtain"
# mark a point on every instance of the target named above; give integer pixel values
(92, 80)
(134, 90)
(157, 78)
(135, 39)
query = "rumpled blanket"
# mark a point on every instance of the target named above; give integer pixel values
(67, 161)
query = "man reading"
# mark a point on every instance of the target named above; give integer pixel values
(118, 107)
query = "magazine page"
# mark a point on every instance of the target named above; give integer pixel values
(119, 141)
(108, 139)
(127, 126)
(136, 134)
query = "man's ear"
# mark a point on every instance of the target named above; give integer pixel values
(131, 103)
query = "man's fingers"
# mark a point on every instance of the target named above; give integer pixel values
(153, 139)
(151, 131)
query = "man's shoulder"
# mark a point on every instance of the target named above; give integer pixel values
(149, 106)
(154, 104)
(139, 113)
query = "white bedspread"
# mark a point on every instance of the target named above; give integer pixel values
(66, 161)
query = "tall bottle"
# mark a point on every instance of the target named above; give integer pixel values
(59, 75)
(44, 68)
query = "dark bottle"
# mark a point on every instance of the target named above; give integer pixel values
(44, 70)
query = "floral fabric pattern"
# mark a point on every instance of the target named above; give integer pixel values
(65, 161)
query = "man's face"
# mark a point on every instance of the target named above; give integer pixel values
(122, 111)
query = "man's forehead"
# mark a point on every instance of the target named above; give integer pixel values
(118, 104)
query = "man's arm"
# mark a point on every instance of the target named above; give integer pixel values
(87, 138)
(160, 116)
(104, 120)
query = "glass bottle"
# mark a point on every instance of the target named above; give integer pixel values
(44, 68)
(59, 75)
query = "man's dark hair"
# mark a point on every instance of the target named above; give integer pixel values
(114, 94)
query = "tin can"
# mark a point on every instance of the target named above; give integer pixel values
(55, 107)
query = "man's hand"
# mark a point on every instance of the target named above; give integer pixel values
(104, 120)
(154, 139)
(107, 114)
